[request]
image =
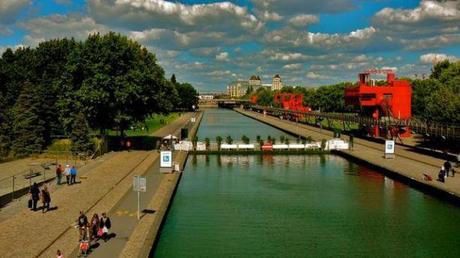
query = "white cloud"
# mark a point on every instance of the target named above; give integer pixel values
(142, 15)
(303, 20)
(223, 56)
(269, 16)
(292, 66)
(430, 25)
(428, 10)
(315, 76)
(59, 26)
(10, 8)
(291, 7)
(321, 41)
(432, 58)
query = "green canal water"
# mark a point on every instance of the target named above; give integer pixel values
(302, 206)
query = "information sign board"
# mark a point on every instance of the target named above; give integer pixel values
(166, 159)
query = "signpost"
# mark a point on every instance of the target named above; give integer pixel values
(139, 185)
(389, 149)
(166, 161)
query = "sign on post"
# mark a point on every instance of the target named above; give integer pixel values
(139, 185)
(389, 149)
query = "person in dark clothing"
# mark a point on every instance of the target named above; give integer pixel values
(82, 223)
(441, 175)
(447, 167)
(105, 225)
(35, 193)
(46, 199)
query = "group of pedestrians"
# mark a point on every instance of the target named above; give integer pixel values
(37, 194)
(97, 228)
(70, 173)
(444, 172)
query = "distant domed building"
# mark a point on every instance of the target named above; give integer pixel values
(255, 80)
(277, 84)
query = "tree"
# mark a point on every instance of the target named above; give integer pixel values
(187, 96)
(194, 141)
(173, 79)
(122, 82)
(245, 139)
(5, 129)
(28, 125)
(207, 142)
(81, 142)
(264, 97)
(219, 142)
(228, 140)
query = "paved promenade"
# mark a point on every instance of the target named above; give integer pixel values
(406, 163)
(37, 234)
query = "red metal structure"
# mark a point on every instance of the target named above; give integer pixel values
(391, 101)
(290, 101)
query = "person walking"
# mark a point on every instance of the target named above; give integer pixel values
(73, 175)
(58, 174)
(67, 174)
(82, 222)
(35, 195)
(447, 167)
(94, 226)
(441, 175)
(46, 199)
(105, 225)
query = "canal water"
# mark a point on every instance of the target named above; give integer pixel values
(302, 206)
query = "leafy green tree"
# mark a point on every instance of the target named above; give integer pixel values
(207, 142)
(28, 125)
(173, 79)
(421, 92)
(218, 141)
(194, 141)
(81, 141)
(187, 96)
(122, 83)
(5, 129)
(438, 68)
(228, 140)
(245, 139)
(264, 97)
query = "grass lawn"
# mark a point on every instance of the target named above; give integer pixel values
(150, 126)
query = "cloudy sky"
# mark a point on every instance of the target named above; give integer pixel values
(211, 43)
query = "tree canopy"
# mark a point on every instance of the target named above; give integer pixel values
(108, 80)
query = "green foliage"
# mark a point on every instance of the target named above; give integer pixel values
(258, 138)
(28, 124)
(81, 142)
(187, 96)
(207, 142)
(245, 139)
(286, 141)
(438, 98)
(228, 139)
(282, 138)
(5, 133)
(113, 80)
(264, 97)
(218, 141)
(194, 141)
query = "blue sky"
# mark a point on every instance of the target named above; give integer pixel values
(211, 43)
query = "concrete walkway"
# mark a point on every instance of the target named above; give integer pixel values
(103, 188)
(406, 163)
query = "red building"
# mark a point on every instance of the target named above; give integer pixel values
(391, 101)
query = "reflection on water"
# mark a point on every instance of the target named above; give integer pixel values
(302, 206)
(223, 122)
